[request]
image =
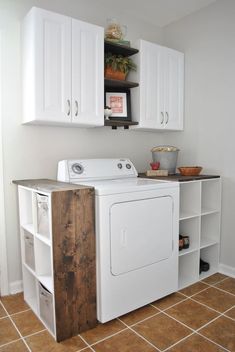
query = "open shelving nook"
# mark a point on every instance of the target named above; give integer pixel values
(36, 251)
(120, 85)
(200, 208)
(53, 219)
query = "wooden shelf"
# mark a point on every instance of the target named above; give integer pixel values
(119, 49)
(115, 83)
(119, 123)
(118, 85)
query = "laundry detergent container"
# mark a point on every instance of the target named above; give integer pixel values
(167, 156)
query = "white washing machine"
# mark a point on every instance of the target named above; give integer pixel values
(137, 228)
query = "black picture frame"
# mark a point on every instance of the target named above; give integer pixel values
(125, 99)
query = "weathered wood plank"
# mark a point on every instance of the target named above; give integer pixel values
(48, 186)
(73, 227)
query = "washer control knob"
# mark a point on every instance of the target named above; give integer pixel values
(119, 165)
(77, 168)
(128, 166)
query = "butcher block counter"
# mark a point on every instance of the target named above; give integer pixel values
(179, 178)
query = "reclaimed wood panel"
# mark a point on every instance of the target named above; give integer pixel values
(46, 185)
(74, 260)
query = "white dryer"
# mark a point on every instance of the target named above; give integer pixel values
(137, 228)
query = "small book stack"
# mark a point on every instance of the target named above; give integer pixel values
(156, 173)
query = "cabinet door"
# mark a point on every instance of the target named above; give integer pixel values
(174, 89)
(52, 62)
(87, 74)
(151, 86)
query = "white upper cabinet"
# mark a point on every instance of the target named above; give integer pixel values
(87, 73)
(62, 70)
(174, 89)
(157, 104)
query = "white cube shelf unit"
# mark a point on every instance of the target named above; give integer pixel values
(200, 211)
(59, 284)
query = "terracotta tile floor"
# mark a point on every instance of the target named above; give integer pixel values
(199, 318)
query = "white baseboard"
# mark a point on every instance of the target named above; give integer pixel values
(16, 287)
(227, 270)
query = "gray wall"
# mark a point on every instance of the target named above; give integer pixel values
(207, 39)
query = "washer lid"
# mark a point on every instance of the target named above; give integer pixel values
(132, 184)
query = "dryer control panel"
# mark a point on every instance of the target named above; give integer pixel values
(95, 169)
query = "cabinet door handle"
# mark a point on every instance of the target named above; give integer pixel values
(69, 107)
(162, 117)
(167, 117)
(76, 108)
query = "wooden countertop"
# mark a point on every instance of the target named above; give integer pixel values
(179, 178)
(46, 185)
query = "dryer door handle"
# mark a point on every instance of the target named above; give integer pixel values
(123, 237)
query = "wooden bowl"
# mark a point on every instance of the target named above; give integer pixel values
(190, 170)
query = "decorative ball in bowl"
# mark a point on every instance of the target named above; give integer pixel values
(190, 170)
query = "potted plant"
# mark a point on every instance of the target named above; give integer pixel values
(117, 66)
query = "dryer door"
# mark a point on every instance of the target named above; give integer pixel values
(141, 233)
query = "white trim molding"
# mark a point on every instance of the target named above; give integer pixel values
(16, 287)
(227, 270)
(4, 285)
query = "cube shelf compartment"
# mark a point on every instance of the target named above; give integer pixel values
(30, 289)
(210, 254)
(200, 207)
(188, 269)
(190, 199)
(43, 215)
(190, 226)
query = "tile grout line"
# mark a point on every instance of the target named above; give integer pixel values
(218, 288)
(181, 340)
(216, 282)
(140, 321)
(163, 311)
(9, 343)
(196, 331)
(215, 343)
(35, 333)
(203, 304)
(200, 291)
(9, 317)
(142, 337)
(173, 305)
(87, 344)
(12, 321)
(19, 333)
(105, 338)
(21, 336)
(23, 311)
(1, 304)
(209, 322)
(180, 322)
(226, 311)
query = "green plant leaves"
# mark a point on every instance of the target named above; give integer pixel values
(119, 63)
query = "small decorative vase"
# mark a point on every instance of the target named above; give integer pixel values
(107, 112)
(114, 31)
